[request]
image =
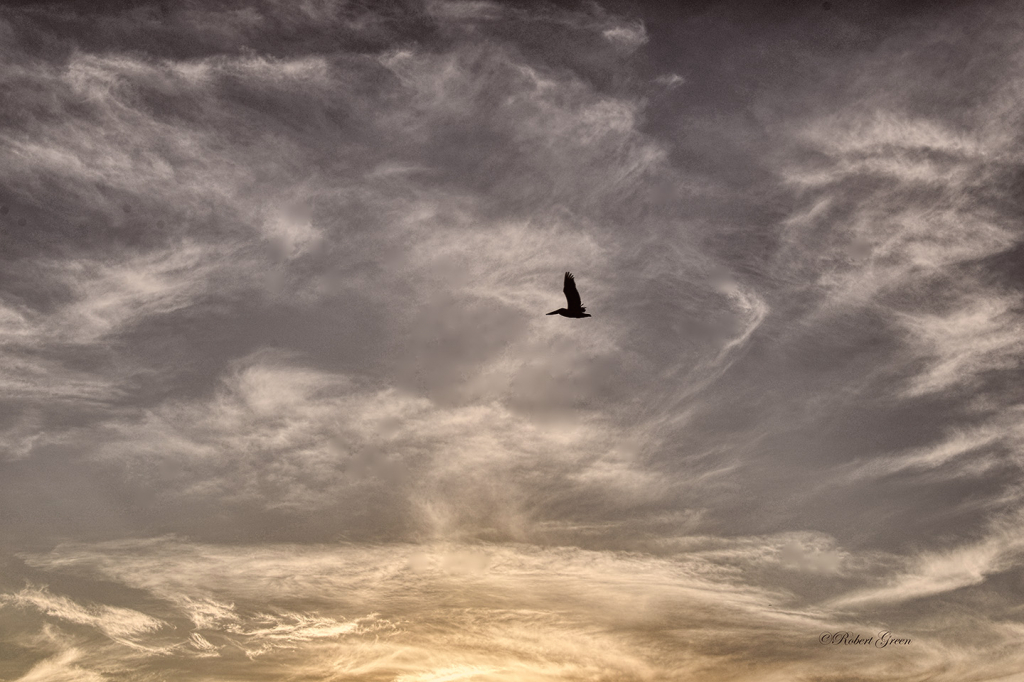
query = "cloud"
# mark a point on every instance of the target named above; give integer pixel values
(117, 623)
(983, 336)
(112, 296)
(203, 646)
(921, 219)
(670, 81)
(466, 10)
(217, 223)
(61, 668)
(932, 573)
(628, 37)
(519, 611)
(962, 451)
(296, 438)
(801, 557)
(206, 613)
(571, 598)
(277, 272)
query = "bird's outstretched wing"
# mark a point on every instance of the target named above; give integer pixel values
(571, 295)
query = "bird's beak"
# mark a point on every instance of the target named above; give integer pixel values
(553, 312)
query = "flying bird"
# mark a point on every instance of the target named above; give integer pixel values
(572, 296)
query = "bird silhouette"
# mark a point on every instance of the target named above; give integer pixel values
(572, 296)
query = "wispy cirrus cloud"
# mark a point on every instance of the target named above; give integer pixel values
(274, 275)
(61, 668)
(983, 336)
(933, 573)
(506, 611)
(220, 588)
(115, 622)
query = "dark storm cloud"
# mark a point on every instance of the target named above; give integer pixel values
(276, 273)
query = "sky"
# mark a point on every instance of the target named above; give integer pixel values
(280, 400)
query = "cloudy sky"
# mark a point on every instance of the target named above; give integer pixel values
(279, 399)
